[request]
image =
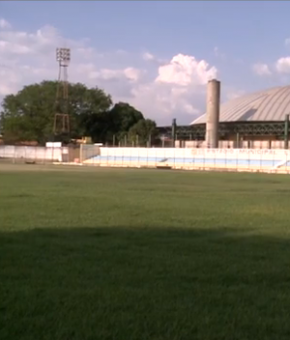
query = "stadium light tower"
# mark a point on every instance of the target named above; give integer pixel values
(61, 118)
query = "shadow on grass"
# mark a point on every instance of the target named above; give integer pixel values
(114, 283)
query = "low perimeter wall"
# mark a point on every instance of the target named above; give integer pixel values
(32, 153)
(263, 160)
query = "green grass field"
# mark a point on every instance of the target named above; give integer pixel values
(92, 254)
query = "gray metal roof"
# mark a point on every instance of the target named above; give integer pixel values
(268, 105)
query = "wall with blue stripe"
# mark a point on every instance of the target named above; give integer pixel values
(187, 158)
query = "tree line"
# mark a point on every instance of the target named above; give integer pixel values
(29, 116)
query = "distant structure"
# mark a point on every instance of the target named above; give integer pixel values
(258, 116)
(260, 119)
(212, 113)
(61, 118)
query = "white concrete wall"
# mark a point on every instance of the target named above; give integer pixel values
(267, 160)
(32, 153)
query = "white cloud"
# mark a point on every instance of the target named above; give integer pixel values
(283, 65)
(148, 56)
(185, 70)
(261, 69)
(161, 89)
(4, 24)
(177, 91)
(168, 102)
(130, 73)
(153, 59)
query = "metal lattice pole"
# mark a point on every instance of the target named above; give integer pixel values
(61, 117)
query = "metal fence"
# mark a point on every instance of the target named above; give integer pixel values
(229, 144)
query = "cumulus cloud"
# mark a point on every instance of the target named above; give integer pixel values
(169, 102)
(161, 89)
(184, 70)
(261, 69)
(177, 91)
(283, 65)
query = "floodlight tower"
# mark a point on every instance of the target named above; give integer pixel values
(61, 118)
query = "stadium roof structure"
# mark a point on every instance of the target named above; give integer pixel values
(256, 114)
(270, 105)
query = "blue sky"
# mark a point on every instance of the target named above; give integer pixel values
(242, 40)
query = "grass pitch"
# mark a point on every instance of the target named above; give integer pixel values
(90, 254)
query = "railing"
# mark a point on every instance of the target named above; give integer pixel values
(224, 144)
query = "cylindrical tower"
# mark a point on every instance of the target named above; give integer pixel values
(212, 113)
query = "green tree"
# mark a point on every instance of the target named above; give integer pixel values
(29, 115)
(115, 123)
(112, 125)
(122, 117)
(143, 132)
(98, 126)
